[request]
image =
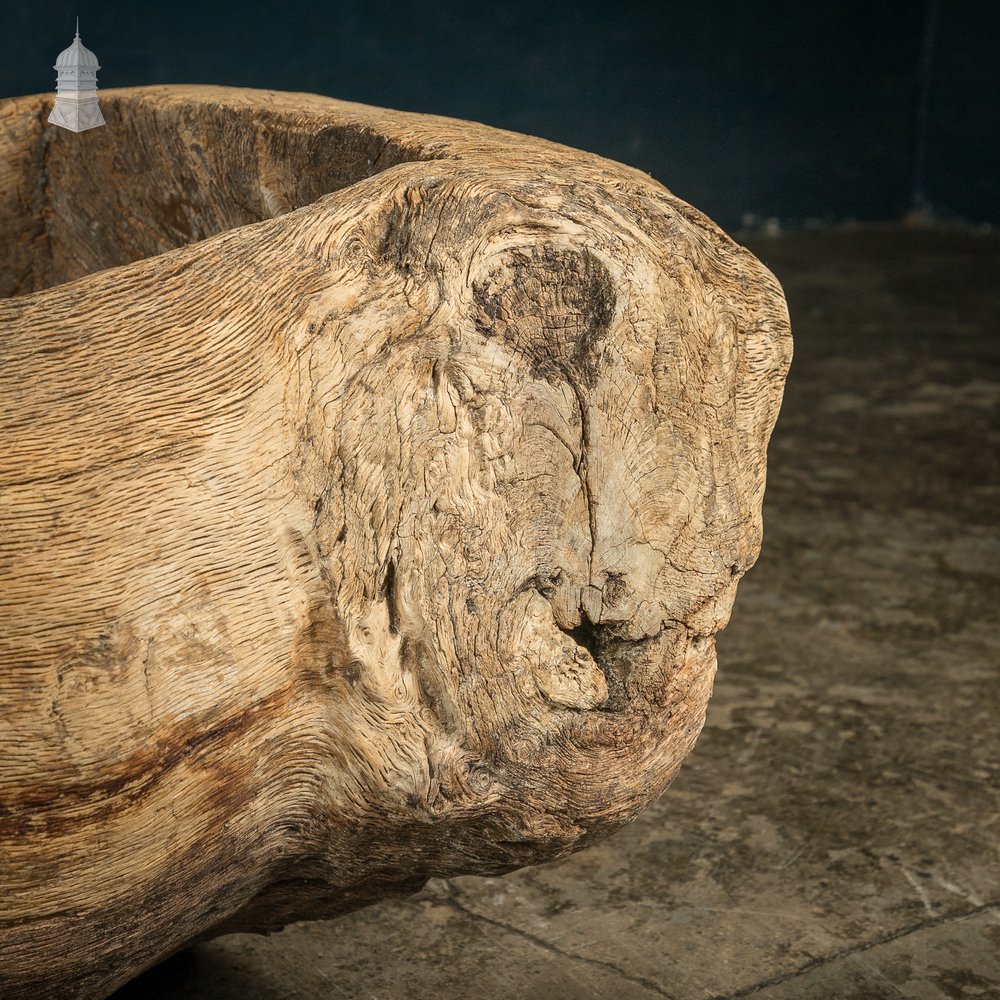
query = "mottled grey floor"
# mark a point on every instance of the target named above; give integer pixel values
(835, 834)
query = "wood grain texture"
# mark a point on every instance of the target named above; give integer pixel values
(372, 487)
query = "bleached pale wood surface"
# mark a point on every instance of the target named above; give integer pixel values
(376, 534)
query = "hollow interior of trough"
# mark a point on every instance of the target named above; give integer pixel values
(158, 176)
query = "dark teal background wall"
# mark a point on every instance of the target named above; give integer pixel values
(788, 109)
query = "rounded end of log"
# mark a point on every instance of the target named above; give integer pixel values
(379, 484)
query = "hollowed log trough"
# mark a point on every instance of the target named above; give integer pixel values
(372, 487)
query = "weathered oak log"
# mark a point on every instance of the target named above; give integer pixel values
(372, 486)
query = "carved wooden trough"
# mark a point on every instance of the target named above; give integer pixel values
(372, 486)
